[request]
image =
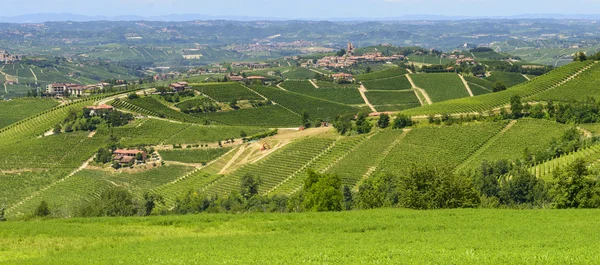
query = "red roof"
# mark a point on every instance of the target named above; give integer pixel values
(101, 107)
(127, 152)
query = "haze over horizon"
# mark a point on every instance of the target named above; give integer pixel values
(307, 9)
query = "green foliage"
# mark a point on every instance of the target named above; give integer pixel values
(272, 116)
(402, 121)
(150, 201)
(42, 210)
(103, 156)
(227, 92)
(393, 100)
(379, 191)
(509, 79)
(516, 107)
(14, 110)
(384, 121)
(498, 86)
(390, 83)
(249, 186)
(112, 202)
(574, 187)
(323, 192)
(426, 188)
(345, 94)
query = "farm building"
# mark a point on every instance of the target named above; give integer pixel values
(59, 89)
(127, 156)
(236, 78)
(342, 76)
(95, 109)
(179, 86)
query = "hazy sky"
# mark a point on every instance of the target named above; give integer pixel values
(301, 8)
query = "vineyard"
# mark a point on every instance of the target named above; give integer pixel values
(393, 100)
(267, 116)
(441, 87)
(283, 164)
(583, 86)
(438, 146)
(392, 72)
(344, 95)
(227, 92)
(391, 83)
(316, 108)
(481, 103)
(152, 107)
(509, 79)
(479, 86)
(299, 73)
(197, 156)
(17, 109)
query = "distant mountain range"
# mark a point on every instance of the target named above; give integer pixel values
(47, 17)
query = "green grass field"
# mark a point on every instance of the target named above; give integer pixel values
(344, 94)
(441, 87)
(385, 236)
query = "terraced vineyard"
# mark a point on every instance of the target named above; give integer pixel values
(441, 87)
(316, 108)
(226, 92)
(344, 94)
(391, 83)
(392, 72)
(490, 101)
(292, 159)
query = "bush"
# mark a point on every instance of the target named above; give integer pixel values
(42, 210)
(402, 121)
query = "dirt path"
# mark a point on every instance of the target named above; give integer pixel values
(313, 83)
(316, 71)
(233, 159)
(280, 87)
(419, 97)
(423, 92)
(466, 85)
(34, 76)
(5, 89)
(362, 91)
(91, 134)
(526, 77)
(585, 132)
(289, 64)
(409, 71)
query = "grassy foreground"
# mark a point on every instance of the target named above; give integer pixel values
(387, 236)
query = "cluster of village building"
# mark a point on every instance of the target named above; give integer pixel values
(61, 89)
(6, 57)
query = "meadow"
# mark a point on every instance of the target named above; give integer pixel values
(383, 236)
(18, 109)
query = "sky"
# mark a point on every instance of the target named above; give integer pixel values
(292, 9)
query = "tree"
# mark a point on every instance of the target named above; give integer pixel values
(368, 70)
(402, 121)
(243, 134)
(384, 121)
(305, 119)
(249, 186)
(362, 125)
(341, 52)
(516, 107)
(522, 187)
(323, 192)
(150, 201)
(2, 218)
(343, 124)
(573, 188)
(117, 202)
(499, 86)
(580, 57)
(57, 129)
(103, 156)
(133, 96)
(348, 202)
(42, 210)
